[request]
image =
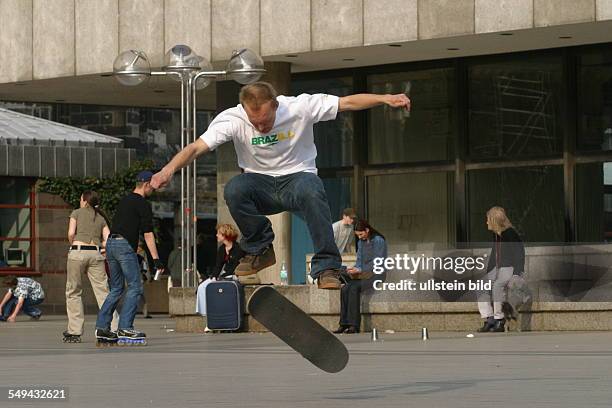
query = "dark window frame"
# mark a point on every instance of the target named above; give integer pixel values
(462, 162)
(24, 270)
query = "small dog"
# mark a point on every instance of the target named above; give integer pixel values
(510, 315)
(517, 295)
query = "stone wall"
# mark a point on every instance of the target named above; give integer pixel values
(324, 307)
(50, 39)
(571, 288)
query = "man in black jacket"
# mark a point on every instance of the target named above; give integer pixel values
(132, 217)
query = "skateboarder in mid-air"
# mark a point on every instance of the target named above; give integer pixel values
(274, 141)
(132, 217)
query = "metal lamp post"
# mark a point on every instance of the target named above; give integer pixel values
(194, 72)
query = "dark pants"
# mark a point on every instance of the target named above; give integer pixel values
(350, 304)
(250, 197)
(27, 308)
(350, 298)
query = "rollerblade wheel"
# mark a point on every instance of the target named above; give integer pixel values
(123, 342)
(71, 338)
(132, 342)
(105, 343)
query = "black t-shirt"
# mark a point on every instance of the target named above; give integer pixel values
(132, 217)
(229, 261)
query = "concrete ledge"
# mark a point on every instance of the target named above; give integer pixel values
(324, 307)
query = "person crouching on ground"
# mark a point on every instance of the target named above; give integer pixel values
(507, 258)
(23, 294)
(229, 255)
(371, 244)
(132, 217)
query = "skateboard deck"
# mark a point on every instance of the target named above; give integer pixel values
(300, 331)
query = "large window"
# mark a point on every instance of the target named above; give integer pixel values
(595, 102)
(483, 131)
(514, 109)
(334, 139)
(16, 225)
(338, 190)
(594, 202)
(427, 132)
(531, 196)
(413, 209)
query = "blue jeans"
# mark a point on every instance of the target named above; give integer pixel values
(250, 197)
(124, 267)
(27, 308)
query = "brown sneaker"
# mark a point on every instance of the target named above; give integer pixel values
(329, 279)
(245, 267)
(251, 264)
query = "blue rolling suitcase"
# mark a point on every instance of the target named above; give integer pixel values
(224, 305)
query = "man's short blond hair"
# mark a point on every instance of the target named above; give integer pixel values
(256, 94)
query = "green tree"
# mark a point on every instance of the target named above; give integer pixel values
(111, 189)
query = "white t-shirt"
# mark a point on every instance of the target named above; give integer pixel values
(288, 148)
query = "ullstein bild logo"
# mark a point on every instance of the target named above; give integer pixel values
(412, 264)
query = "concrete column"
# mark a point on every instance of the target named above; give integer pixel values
(235, 25)
(279, 75)
(141, 25)
(96, 35)
(16, 40)
(188, 22)
(550, 13)
(53, 38)
(227, 163)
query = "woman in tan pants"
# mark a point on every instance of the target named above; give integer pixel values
(87, 233)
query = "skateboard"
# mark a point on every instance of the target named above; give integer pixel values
(300, 331)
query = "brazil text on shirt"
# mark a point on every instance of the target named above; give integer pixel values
(292, 150)
(269, 140)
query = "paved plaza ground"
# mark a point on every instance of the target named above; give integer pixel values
(257, 370)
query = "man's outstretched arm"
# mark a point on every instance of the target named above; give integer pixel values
(180, 160)
(366, 101)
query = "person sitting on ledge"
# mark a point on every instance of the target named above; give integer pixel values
(507, 258)
(371, 245)
(229, 255)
